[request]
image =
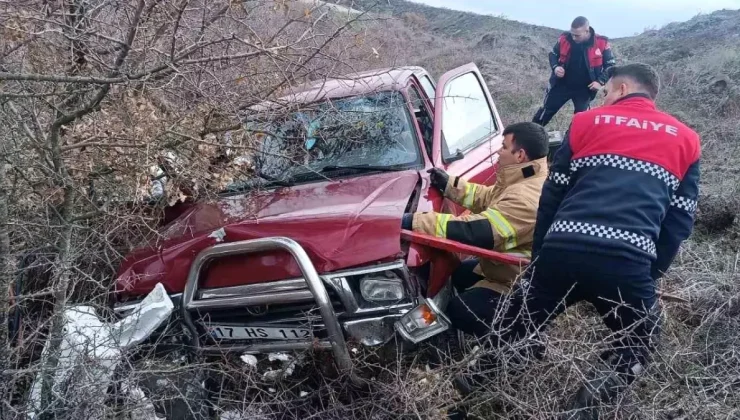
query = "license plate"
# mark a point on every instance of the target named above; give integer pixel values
(255, 333)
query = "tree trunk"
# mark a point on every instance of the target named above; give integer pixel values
(62, 273)
(6, 275)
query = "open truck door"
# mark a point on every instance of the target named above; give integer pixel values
(466, 124)
(466, 141)
(467, 128)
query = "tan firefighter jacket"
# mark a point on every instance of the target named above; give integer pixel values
(510, 209)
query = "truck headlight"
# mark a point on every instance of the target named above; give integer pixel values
(422, 322)
(381, 290)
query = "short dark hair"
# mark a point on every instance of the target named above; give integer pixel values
(641, 74)
(531, 137)
(579, 22)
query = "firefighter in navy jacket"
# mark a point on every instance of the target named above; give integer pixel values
(579, 62)
(618, 202)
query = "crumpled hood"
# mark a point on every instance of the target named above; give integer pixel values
(340, 223)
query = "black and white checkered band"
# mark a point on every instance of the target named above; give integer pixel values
(559, 178)
(684, 203)
(629, 164)
(564, 226)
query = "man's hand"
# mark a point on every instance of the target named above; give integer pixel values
(594, 86)
(559, 71)
(439, 179)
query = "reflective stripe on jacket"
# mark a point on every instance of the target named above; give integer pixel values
(502, 218)
(599, 56)
(624, 183)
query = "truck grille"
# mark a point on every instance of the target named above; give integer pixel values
(290, 303)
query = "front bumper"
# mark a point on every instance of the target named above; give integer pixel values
(369, 330)
(343, 314)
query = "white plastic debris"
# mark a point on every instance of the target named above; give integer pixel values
(283, 357)
(249, 360)
(218, 235)
(142, 407)
(249, 413)
(157, 188)
(90, 349)
(271, 375)
(474, 358)
(232, 415)
(289, 370)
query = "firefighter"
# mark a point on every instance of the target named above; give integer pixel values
(579, 62)
(618, 202)
(502, 218)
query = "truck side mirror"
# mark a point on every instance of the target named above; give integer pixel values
(458, 156)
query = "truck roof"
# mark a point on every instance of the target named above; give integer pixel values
(353, 84)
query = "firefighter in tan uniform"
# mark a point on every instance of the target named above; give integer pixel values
(502, 218)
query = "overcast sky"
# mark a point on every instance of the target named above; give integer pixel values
(611, 18)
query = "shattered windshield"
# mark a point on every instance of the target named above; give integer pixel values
(365, 131)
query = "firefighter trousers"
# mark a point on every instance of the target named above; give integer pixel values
(472, 310)
(622, 291)
(557, 96)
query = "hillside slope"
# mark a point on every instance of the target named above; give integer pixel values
(699, 62)
(511, 55)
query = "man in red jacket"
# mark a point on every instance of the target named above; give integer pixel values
(579, 62)
(619, 200)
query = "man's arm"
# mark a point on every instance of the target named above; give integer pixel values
(553, 191)
(678, 222)
(608, 62)
(554, 55)
(474, 197)
(498, 228)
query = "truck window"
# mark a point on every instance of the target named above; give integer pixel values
(372, 130)
(428, 86)
(467, 118)
(423, 118)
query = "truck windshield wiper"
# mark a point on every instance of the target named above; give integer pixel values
(363, 168)
(274, 181)
(252, 183)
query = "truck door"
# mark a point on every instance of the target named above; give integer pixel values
(467, 128)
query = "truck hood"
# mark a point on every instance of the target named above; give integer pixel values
(340, 223)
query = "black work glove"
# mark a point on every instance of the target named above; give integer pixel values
(439, 179)
(407, 221)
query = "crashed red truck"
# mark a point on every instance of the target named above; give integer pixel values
(312, 255)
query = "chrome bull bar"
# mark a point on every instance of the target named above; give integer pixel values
(315, 284)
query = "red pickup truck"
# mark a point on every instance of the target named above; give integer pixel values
(309, 253)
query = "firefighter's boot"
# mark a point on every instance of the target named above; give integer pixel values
(603, 388)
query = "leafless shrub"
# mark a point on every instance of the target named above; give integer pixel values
(99, 97)
(694, 373)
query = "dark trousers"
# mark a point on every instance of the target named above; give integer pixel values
(473, 309)
(557, 96)
(622, 291)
